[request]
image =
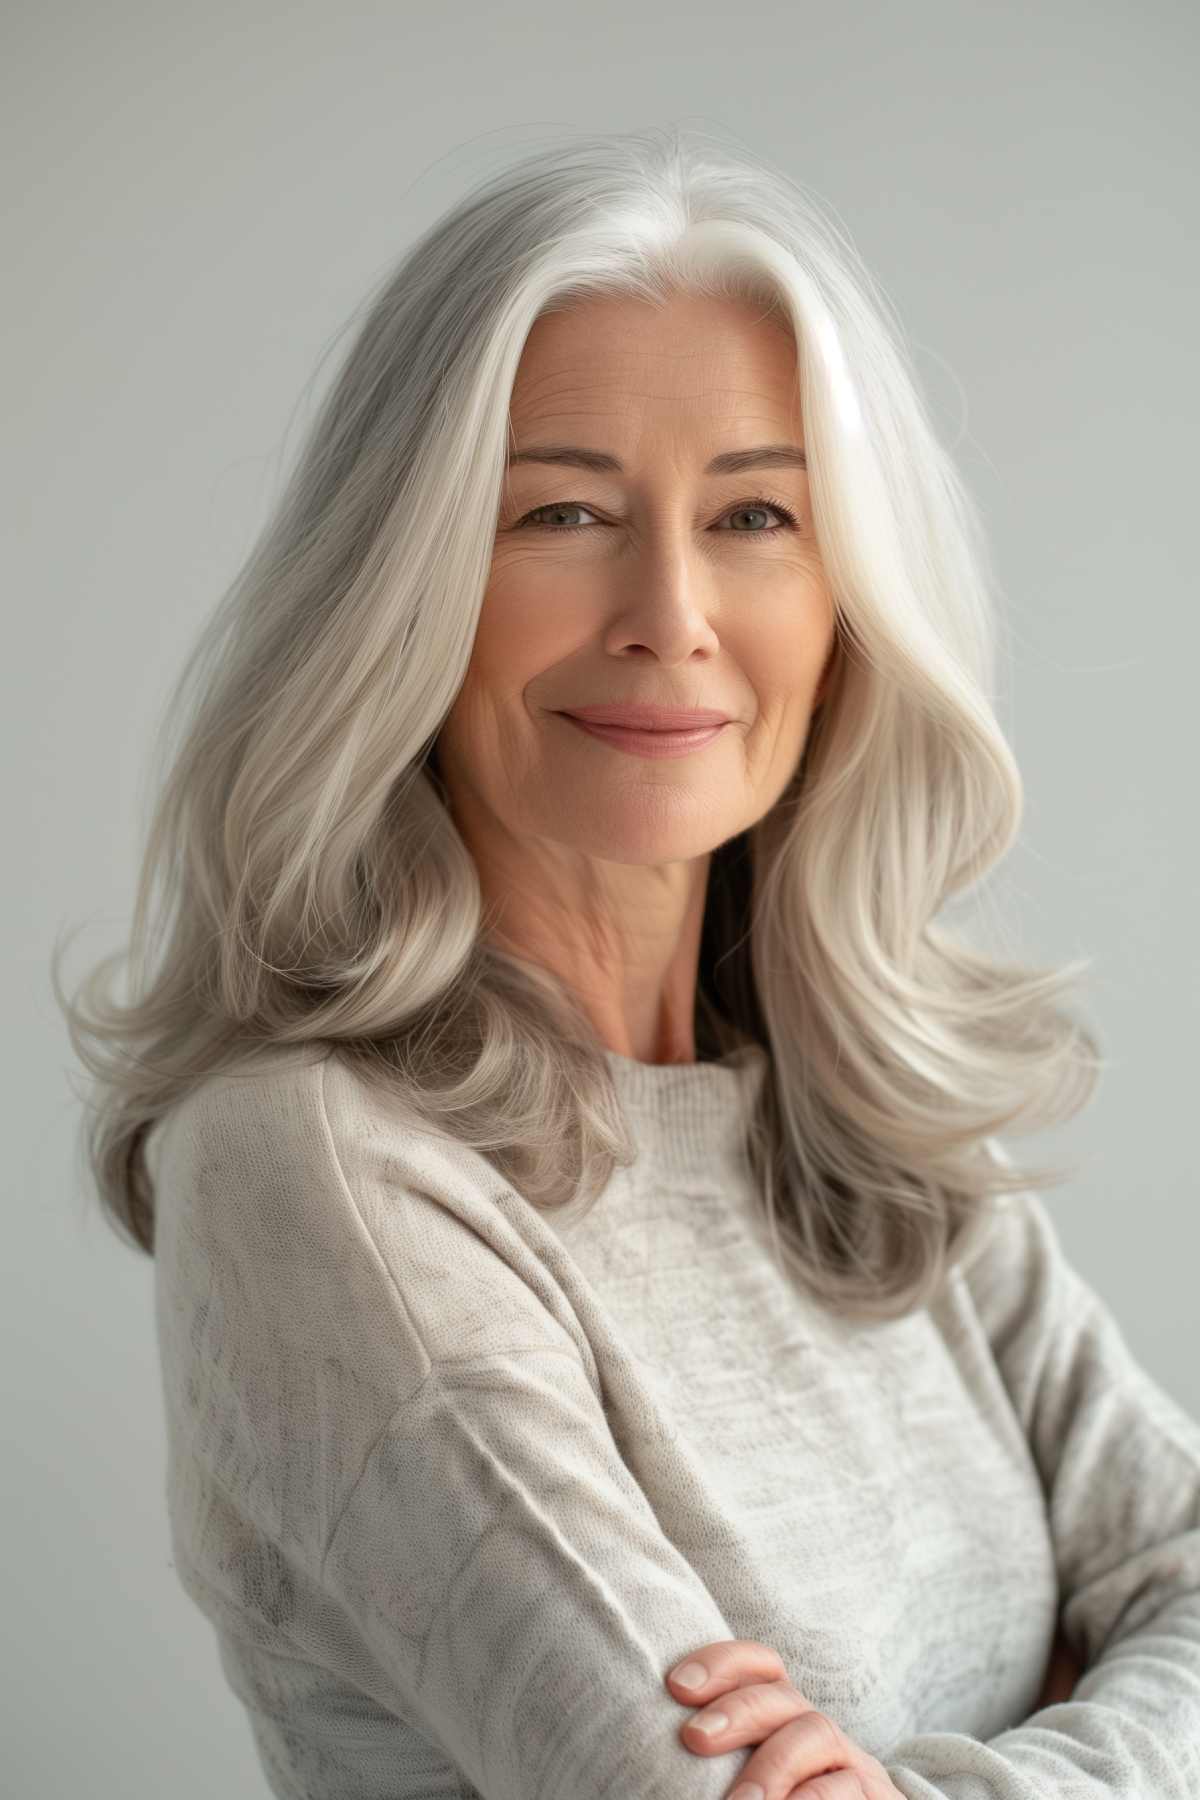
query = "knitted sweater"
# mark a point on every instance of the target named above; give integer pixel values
(457, 1484)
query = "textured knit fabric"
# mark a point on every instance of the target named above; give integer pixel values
(457, 1484)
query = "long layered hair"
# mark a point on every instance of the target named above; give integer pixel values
(303, 881)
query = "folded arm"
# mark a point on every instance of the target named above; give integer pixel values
(1119, 1461)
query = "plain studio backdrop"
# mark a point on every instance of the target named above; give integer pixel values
(195, 200)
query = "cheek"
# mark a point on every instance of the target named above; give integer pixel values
(516, 643)
(784, 664)
(528, 623)
(785, 655)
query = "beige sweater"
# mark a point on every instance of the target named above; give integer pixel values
(457, 1485)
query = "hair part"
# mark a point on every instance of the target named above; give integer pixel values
(303, 880)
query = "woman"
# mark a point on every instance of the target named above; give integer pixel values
(581, 1246)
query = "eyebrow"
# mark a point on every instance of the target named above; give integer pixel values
(730, 462)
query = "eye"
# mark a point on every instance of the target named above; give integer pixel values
(757, 505)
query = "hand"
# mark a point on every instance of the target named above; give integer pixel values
(803, 1754)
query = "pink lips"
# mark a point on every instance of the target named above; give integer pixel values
(648, 743)
(635, 717)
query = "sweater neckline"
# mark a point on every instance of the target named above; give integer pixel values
(691, 1111)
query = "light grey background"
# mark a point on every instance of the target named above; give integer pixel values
(195, 198)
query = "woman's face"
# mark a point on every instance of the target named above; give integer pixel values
(686, 588)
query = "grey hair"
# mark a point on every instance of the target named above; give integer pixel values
(303, 880)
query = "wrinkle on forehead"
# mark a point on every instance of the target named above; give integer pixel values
(587, 369)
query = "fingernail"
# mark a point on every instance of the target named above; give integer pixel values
(749, 1790)
(690, 1675)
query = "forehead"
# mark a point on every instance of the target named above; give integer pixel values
(695, 362)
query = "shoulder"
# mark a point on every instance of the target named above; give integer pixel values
(293, 1113)
(302, 1170)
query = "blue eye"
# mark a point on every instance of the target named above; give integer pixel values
(743, 506)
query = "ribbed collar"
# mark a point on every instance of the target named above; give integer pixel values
(689, 1112)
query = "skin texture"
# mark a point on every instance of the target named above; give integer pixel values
(594, 863)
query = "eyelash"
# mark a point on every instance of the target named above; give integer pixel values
(760, 500)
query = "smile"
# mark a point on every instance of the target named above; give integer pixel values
(648, 743)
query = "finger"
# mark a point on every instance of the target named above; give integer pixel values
(865, 1780)
(839, 1784)
(742, 1715)
(725, 1665)
(807, 1747)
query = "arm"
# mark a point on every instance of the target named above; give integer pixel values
(1119, 1461)
(391, 1461)
(518, 1596)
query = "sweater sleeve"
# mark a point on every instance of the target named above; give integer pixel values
(514, 1585)
(377, 1393)
(1119, 1462)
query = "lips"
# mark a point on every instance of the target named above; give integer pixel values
(633, 717)
(649, 743)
